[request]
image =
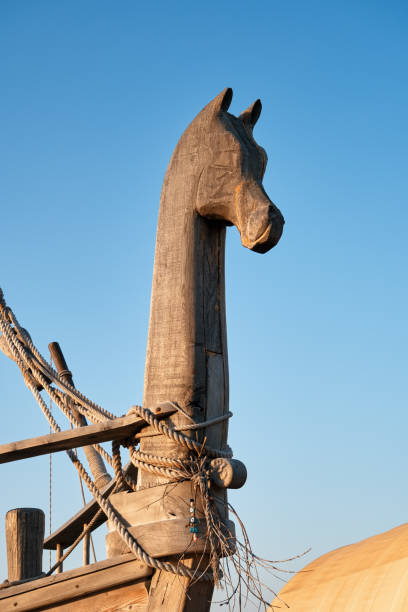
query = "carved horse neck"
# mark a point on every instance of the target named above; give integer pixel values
(214, 178)
(186, 357)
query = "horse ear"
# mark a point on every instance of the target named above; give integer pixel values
(222, 101)
(251, 115)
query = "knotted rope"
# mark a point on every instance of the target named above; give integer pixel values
(36, 371)
(221, 546)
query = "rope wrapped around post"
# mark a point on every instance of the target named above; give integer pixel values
(35, 369)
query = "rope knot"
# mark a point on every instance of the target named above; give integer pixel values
(127, 442)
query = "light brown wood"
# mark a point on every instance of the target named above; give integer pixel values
(85, 548)
(228, 473)
(169, 592)
(60, 552)
(159, 539)
(166, 501)
(166, 538)
(214, 179)
(159, 517)
(91, 434)
(24, 539)
(82, 589)
(130, 598)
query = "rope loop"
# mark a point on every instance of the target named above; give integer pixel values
(39, 374)
(178, 437)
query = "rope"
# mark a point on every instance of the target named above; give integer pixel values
(94, 409)
(75, 543)
(28, 366)
(127, 537)
(36, 371)
(177, 436)
(222, 543)
(117, 466)
(196, 469)
(106, 506)
(192, 427)
(202, 424)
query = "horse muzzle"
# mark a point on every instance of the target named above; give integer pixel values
(259, 222)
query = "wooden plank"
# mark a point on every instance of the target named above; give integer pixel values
(172, 593)
(129, 598)
(117, 429)
(159, 519)
(71, 587)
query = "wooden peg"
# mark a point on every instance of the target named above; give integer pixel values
(60, 552)
(85, 556)
(228, 473)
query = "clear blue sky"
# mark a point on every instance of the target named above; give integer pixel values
(94, 98)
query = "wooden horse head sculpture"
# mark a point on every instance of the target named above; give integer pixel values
(232, 166)
(214, 179)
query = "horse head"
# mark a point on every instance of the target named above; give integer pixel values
(231, 166)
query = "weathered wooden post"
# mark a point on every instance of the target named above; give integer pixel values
(24, 540)
(214, 179)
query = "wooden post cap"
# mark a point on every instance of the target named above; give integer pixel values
(24, 540)
(228, 473)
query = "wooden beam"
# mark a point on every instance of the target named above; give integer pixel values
(117, 429)
(69, 531)
(92, 588)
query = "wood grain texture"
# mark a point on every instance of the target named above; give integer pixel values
(116, 429)
(214, 179)
(158, 518)
(130, 598)
(82, 589)
(169, 592)
(228, 473)
(24, 540)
